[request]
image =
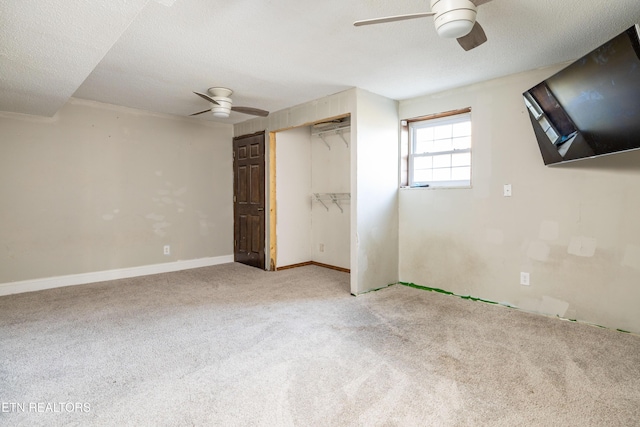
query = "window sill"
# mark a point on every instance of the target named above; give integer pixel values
(458, 187)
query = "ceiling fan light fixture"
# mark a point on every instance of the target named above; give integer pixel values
(455, 29)
(453, 18)
(223, 109)
(221, 96)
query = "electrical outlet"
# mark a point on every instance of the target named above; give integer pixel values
(167, 250)
(507, 190)
(524, 278)
(321, 247)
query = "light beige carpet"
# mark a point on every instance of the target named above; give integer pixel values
(235, 346)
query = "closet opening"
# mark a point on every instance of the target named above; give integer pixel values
(309, 194)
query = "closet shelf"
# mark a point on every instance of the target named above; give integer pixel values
(334, 198)
(333, 131)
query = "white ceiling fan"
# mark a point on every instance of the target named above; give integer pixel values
(221, 104)
(452, 18)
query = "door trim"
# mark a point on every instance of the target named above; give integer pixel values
(272, 202)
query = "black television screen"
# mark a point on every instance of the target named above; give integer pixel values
(592, 107)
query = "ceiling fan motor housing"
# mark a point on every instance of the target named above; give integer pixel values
(453, 18)
(221, 96)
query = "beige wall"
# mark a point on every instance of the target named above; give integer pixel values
(99, 187)
(574, 227)
(377, 199)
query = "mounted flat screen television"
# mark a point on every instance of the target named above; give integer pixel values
(592, 107)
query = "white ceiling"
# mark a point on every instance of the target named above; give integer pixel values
(151, 54)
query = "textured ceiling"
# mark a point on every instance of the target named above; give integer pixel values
(151, 54)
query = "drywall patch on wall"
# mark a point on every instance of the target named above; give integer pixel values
(154, 217)
(159, 225)
(549, 230)
(553, 306)
(632, 257)
(538, 251)
(494, 236)
(170, 195)
(158, 228)
(444, 260)
(528, 304)
(204, 223)
(110, 215)
(180, 191)
(582, 246)
(546, 305)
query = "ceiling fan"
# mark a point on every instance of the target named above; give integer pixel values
(453, 19)
(221, 104)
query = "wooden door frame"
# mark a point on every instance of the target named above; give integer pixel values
(272, 209)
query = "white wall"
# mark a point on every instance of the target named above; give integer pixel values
(99, 187)
(293, 187)
(574, 228)
(375, 168)
(331, 173)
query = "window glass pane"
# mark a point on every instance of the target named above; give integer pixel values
(424, 133)
(442, 131)
(459, 174)
(423, 162)
(424, 147)
(422, 175)
(462, 129)
(461, 159)
(442, 145)
(442, 174)
(442, 161)
(462, 143)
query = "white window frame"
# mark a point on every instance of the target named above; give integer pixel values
(458, 117)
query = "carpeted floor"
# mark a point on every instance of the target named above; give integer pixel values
(231, 345)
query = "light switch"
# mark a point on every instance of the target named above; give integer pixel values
(507, 190)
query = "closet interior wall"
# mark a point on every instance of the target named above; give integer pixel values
(308, 230)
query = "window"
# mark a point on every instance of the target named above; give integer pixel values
(440, 150)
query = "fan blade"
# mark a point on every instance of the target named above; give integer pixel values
(252, 111)
(474, 39)
(201, 112)
(392, 18)
(479, 2)
(206, 97)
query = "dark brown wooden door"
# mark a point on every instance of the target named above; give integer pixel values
(249, 197)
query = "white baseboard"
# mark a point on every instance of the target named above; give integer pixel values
(101, 276)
